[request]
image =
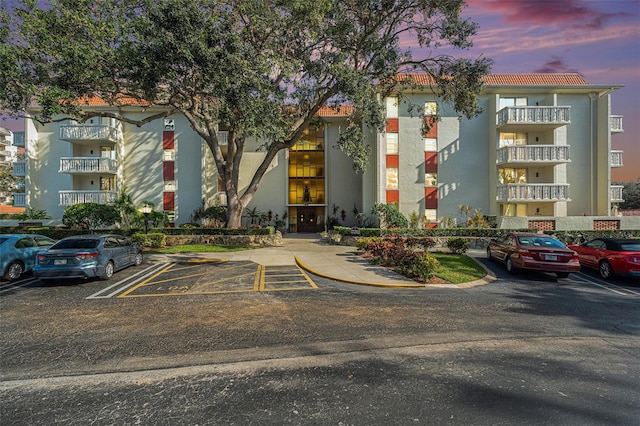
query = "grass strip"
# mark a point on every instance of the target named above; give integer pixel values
(195, 248)
(457, 268)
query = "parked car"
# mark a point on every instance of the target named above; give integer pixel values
(18, 253)
(530, 251)
(87, 256)
(611, 256)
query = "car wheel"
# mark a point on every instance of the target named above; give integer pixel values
(14, 271)
(489, 254)
(138, 259)
(108, 271)
(606, 271)
(509, 265)
(562, 274)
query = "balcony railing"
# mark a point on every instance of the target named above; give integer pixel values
(89, 133)
(615, 122)
(18, 139)
(550, 154)
(88, 165)
(549, 115)
(223, 137)
(19, 199)
(516, 192)
(20, 168)
(615, 194)
(616, 158)
(70, 198)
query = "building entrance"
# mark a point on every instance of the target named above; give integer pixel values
(307, 219)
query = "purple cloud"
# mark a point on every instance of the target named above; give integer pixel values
(555, 64)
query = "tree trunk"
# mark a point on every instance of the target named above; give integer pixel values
(234, 213)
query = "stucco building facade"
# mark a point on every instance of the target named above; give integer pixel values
(540, 155)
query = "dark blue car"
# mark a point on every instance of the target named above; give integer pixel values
(18, 253)
(87, 256)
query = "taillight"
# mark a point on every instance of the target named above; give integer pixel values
(575, 257)
(85, 256)
(634, 258)
(525, 254)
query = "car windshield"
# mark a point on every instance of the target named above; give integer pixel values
(75, 244)
(540, 242)
(630, 246)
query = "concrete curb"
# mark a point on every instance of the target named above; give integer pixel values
(384, 285)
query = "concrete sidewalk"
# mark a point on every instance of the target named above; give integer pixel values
(336, 262)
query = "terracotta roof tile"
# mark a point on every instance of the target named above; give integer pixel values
(539, 79)
(341, 111)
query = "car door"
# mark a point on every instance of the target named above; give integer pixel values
(116, 252)
(27, 249)
(592, 253)
(128, 250)
(503, 247)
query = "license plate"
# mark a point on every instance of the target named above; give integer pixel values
(550, 257)
(60, 261)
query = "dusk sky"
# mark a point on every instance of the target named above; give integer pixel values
(596, 38)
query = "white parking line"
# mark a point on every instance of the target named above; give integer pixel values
(16, 284)
(135, 278)
(607, 285)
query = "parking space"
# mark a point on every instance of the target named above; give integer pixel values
(207, 277)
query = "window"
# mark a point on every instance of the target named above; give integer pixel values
(508, 139)
(431, 179)
(392, 178)
(107, 184)
(169, 185)
(392, 143)
(507, 102)
(430, 108)
(392, 107)
(506, 176)
(108, 152)
(169, 155)
(430, 144)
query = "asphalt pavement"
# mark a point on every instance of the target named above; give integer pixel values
(336, 262)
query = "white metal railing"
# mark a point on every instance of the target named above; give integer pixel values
(18, 139)
(533, 192)
(88, 165)
(19, 199)
(615, 122)
(615, 193)
(70, 198)
(533, 153)
(616, 158)
(93, 133)
(223, 137)
(534, 115)
(20, 168)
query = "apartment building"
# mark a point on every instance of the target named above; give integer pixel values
(540, 155)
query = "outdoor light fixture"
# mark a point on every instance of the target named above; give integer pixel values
(146, 209)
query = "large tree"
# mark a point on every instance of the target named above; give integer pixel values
(261, 68)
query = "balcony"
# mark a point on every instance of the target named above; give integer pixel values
(516, 118)
(20, 169)
(223, 137)
(19, 199)
(615, 194)
(88, 165)
(616, 158)
(70, 198)
(615, 122)
(526, 155)
(18, 139)
(538, 192)
(89, 134)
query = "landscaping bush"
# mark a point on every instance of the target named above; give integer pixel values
(155, 239)
(458, 245)
(394, 254)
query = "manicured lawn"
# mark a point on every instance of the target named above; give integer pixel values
(457, 268)
(195, 248)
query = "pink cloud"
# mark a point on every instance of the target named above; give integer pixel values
(555, 64)
(566, 13)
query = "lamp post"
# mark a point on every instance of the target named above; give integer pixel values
(146, 209)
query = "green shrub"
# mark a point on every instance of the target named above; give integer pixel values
(425, 266)
(458, 245)
(155, 239)
(364, 242)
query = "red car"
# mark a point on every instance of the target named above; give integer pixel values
(530, 251)
(611, 256)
